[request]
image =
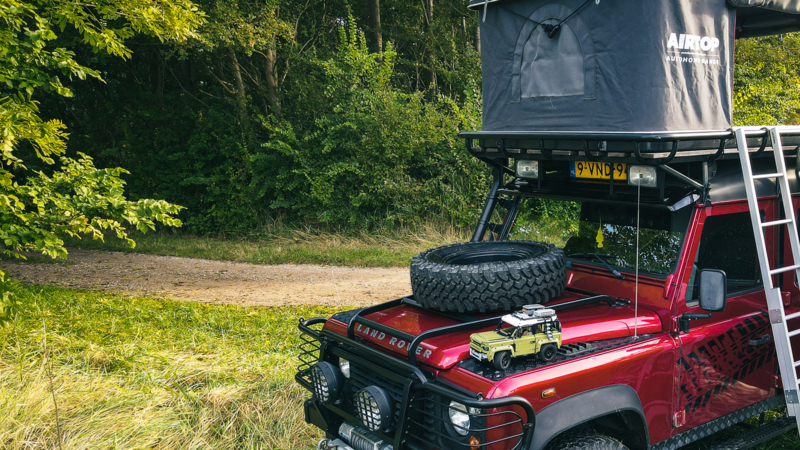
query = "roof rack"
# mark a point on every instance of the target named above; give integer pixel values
(649, 148)
(691, 153)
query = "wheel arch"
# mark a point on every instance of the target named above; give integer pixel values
(509, 349)
(611, 408)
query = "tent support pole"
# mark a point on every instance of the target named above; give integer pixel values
(491, 202)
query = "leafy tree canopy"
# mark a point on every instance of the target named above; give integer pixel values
(37, 40)
(767, 84)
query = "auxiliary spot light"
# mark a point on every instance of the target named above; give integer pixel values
(327, 382)
(374, 407)
(644, 176)
(527, 169)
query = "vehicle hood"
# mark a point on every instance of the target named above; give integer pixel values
(589, 323)
(488, 337)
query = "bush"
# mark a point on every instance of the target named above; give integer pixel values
(375, 155)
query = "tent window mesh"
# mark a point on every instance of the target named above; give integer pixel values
(543, 57)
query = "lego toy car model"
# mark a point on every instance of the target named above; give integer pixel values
(534, 331)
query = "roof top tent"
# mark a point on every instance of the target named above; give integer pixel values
(617, 65)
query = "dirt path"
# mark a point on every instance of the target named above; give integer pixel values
(215, 281)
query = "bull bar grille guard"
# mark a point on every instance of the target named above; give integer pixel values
(420, 395)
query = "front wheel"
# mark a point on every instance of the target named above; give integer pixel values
(502, 360)
(548, 352)
(585, 440)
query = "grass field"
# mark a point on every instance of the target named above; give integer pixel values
(140, 373)
(145, 373)
(285, 246)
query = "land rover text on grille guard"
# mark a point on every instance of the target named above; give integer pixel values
(375, 400)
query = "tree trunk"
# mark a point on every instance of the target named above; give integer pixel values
(375, 23)
(429, 11)
(241, 99)
(478, 39)
(270, 68)
(429, 18)
(157, 72)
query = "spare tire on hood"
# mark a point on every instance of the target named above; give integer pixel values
(488, 276)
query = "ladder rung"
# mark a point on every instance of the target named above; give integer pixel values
(796, 364)
(777, 222)
(792, 316)
(794, 333)
(767, 175)
(784, 269)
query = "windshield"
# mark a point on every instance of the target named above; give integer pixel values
(608, 233)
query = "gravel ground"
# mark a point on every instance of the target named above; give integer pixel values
(215, 281)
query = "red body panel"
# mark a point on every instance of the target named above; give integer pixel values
(591, 323)
(647, 366)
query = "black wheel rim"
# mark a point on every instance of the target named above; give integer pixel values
(549, 352)
(505, 360)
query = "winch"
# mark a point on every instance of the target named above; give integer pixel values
(353, 438)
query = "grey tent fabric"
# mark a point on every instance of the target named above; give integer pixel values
(787, 6)
(766, 17)
(753, 17)
(611, 66)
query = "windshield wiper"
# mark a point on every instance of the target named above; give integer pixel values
(603, 261)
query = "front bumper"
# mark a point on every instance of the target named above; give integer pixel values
(420, 419)
(480, 356)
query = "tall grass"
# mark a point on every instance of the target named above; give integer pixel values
(291, 245)
(145, 373)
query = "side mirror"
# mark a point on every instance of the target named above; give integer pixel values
(713, 289)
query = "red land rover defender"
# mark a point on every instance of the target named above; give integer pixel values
(666, 332)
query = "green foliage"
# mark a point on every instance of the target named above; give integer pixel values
(375, 151)
(767, 85)
(361, 140)
(76, 200)
(39, 207)
(249, 26)
(8, 300)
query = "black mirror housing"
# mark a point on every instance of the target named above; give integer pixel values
(713, 289)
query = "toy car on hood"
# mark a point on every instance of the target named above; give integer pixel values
(533, 331)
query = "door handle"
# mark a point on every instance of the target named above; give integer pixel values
(760, 341)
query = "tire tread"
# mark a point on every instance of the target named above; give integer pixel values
(585, 440)
(488, 287)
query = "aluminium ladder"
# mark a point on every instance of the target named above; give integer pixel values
(778, 318)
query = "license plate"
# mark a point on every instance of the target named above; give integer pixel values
(598, 170)
(479, 356)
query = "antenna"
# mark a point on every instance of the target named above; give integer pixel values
(636, 283)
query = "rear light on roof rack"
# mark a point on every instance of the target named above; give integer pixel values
(644, 176)
(527, 169)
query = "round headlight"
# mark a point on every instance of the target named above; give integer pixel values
(344, 366)
(460, 418)
(374, 408)
(327, 382)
